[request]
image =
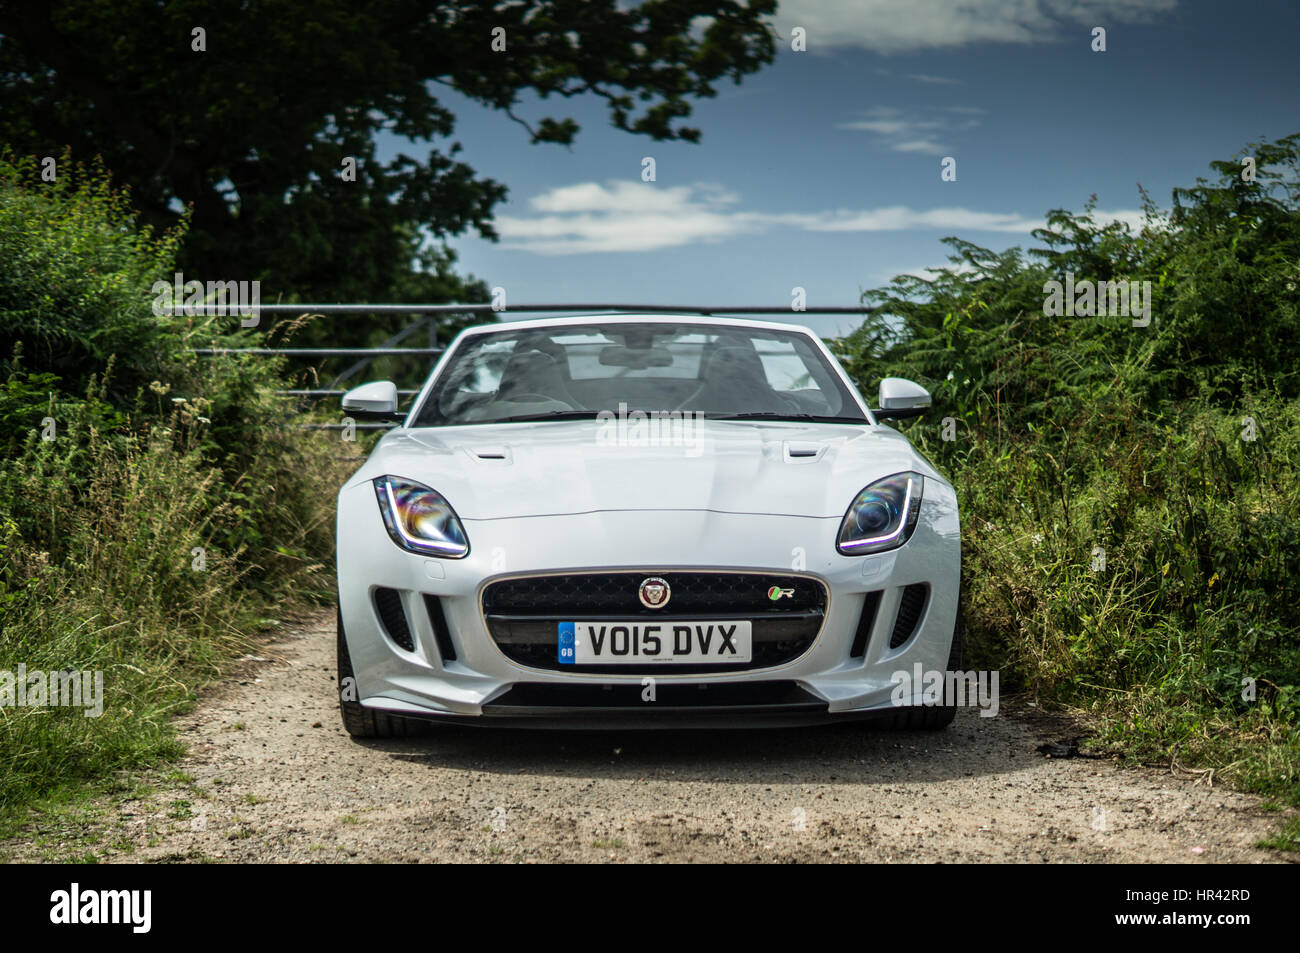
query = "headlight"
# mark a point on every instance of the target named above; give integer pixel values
(883, 515)
(419, 519)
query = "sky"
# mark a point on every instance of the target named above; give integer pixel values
(822, 171)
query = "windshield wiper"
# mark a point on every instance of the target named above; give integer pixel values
(792, 415)
(542, 415)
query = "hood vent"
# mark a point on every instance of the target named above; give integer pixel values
(803, 451)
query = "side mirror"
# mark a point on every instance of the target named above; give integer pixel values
(901, 398)
(377, 400)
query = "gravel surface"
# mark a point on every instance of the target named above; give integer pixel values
(275, 778)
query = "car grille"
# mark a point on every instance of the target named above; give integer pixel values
(522, 614)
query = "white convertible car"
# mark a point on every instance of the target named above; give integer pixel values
(643, 521)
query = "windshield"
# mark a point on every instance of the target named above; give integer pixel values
(578, 371)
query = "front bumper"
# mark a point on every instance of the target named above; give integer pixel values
(481, 684)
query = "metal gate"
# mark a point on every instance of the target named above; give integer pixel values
(428, 314)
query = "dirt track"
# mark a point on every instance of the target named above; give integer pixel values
(275, 778)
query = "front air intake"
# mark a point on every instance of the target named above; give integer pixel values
(866, 621)
(388, 603)
(911, 605)
(441, 631)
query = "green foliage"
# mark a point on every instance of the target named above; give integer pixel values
(1287, 839)
(62, 315)
(1083, 435)
(173, 506)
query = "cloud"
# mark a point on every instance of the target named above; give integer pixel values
(897, 218)
(927, 146)
(624, 217)
(933, 80)
(927, 132)
(627, 197)
(639, 217)
(903, 26)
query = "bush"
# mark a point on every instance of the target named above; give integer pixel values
(75, 267)
(174, 506)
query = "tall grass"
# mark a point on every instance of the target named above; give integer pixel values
(174, 511)
(128, 554)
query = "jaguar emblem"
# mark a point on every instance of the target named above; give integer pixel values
(654, 593)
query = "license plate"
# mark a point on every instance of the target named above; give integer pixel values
(639, 643)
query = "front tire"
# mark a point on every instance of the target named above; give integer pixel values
(359, 721)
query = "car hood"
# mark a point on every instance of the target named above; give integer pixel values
(543, 469)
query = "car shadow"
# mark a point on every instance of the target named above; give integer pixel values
(849, 752)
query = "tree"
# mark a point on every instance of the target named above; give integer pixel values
(253, 130)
